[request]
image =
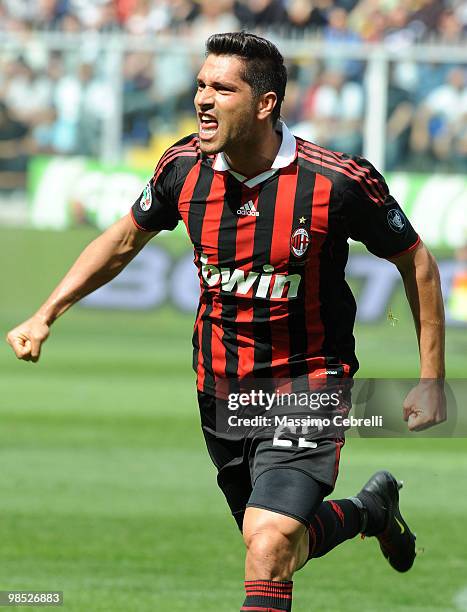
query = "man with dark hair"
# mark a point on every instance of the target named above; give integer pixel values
(269, 216)
(263, 65)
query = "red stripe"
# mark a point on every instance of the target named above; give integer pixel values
(319, 231)
(280, 253)
(186, 195)
(201, 371)
(322, 529)
(270, 586)
(414, 246)
(338, 510)
(168, 157)
(339, 445)
(337, 158)
(210, 236)
(176, 147)
(174, 156)
(268, 590)
(361, 171)
(268, 594)
(172, 151)
(171, 154)
(277, 584)
(245, 239)
(319, 160)
(256, 609)
(307, 157)
(263, 592)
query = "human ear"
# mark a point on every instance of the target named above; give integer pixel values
(266, 104)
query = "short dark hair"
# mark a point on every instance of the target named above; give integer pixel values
(264, 65)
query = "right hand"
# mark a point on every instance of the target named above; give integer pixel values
(425, 405)
(27, 338)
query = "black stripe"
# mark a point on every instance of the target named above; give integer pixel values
(227, 247)
(338, 307)
(297, 307)
(195, 228)
(206, 341)
(261, 256)
(198, 206)
(183, 168)
(175, 156)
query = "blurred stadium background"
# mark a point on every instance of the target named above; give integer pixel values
(107, 492)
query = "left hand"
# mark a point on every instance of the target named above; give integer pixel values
(425, 405)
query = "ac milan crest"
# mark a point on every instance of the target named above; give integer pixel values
(299, 242)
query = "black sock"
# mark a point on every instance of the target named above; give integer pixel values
(375, 514)
(268, 595)
(334, 522)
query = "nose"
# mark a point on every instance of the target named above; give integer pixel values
(204, 98)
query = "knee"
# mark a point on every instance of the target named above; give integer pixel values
(272, 552)
(267, 540)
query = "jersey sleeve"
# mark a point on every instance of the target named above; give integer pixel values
(156, 208)
(373, 216)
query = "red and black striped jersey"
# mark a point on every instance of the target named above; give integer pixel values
(271, 254)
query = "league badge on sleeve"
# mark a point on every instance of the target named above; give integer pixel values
(299, 242)
(396, 220)
(146, 198)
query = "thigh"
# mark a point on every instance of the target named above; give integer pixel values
(319, 458)
(289, 492)
(293, 481)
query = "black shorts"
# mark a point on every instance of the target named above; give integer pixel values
(252, 471)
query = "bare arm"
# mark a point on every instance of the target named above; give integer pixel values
(420, 274)
(426, 404)
(99, 263)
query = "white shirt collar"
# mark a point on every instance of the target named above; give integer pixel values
(285, 156)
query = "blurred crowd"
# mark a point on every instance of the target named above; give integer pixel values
(61, 100)
(349, 20)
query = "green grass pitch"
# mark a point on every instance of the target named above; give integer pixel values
(107, 492)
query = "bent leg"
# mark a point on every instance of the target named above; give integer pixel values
(275, 531)
(276, 545)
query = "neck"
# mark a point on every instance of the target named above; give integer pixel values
(256, 155)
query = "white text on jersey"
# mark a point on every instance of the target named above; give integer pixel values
(240, 282)
(248, 209)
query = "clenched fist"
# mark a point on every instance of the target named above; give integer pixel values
(27, 339)
(425, 405)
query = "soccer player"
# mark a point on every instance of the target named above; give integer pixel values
(269, 216)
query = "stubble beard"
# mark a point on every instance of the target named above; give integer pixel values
(242, 139)
(234, 140)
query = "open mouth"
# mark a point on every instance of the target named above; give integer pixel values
(207, 126)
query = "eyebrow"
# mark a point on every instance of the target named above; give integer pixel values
(219, 84)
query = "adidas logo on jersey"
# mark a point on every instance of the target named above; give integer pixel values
(248, 209)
